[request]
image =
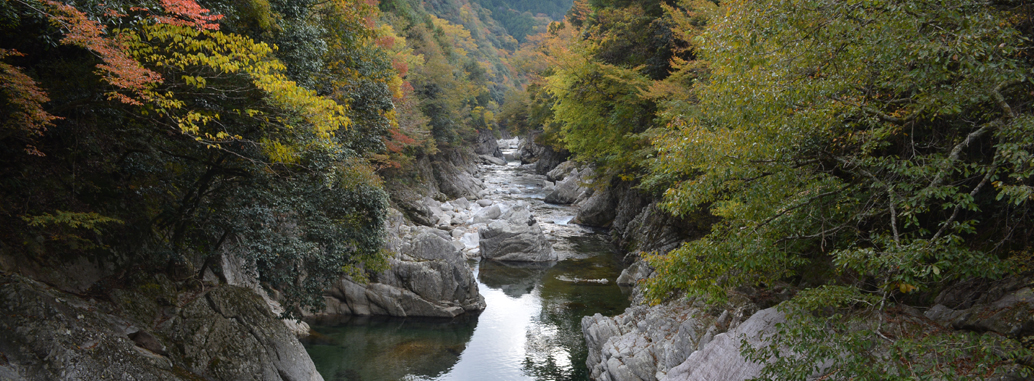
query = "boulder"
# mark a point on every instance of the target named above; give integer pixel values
(561, 171)
(598, 210)
(631, 275)
(518, 238)
(567, 191)
(428, 277)
(492, 160)
(487, 214)
(484, 203)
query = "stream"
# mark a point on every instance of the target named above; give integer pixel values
(531, 327)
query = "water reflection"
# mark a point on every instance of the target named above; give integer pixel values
(381, 348)
(530, 330)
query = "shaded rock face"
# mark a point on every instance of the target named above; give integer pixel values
(516, 238)
(449, 175)
(573, 188)
(599, 209)
(455, 172)
(224, 333)
(544, 157)
(1005, 307)
(562, 171)
(487, 145)
(645, 342)
(429, 277)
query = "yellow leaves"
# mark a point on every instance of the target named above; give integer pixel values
(279, 152)
(187, 49)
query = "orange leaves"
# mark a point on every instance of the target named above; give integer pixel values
(189, 14)
(118, 69)
(24, 100)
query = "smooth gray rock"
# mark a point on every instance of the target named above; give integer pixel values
(562, 171)
(225, 333)
(720, 359)
(631, 275)
(567, 191)
(518, 238)
(492, 160)
(429, 277)
(598, 210)
(487, 214)
(484, 203)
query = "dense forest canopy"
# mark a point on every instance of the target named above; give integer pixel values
(151, 135)
(868, 153)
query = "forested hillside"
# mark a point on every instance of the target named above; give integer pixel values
(866, 154)
(144, 136)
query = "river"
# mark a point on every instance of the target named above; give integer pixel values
(530, 329)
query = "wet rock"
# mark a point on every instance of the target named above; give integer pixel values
(518, 238)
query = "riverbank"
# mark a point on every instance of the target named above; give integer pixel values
(530, 329)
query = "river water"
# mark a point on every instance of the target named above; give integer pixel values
(531, 328)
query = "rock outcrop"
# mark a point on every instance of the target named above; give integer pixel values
(544, 157)
(428, 277)
(487, 145)
(151, 333)
(516, 237)
(599, 209)
(645, 342)
(572, 188)
(1005, 307)
(720, 359)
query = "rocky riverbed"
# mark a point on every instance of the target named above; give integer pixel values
(538, 273)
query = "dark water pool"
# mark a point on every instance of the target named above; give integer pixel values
(531, 329)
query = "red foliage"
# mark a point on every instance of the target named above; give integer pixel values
(401, 66)
(24, 98)
(119, 69)
(188, 13)
(24, 102)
